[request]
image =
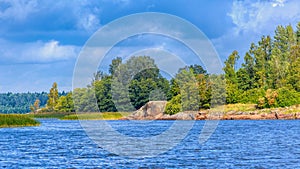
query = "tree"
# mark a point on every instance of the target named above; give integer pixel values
(135, 81)
(218, 90)
(98, 76)
(52, 97)
(174, 105)
(104, 95)
(246, 74)
(85, 100)
(294, 69)
(65, 103)
(114, 65)
(193, 86)
(174, 89)
(232, 91)
(262, 54)
(36, 105)
(298, 33)
(270, 72)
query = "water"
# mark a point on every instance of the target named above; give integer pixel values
(235, 144)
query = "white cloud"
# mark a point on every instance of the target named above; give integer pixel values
(17, 9)
(37, 52)
(254, 19)
(88, 22)
(278, 3)
(54, 51)
(84, 15)
(263, 16)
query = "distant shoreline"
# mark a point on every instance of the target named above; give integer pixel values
(151, 112)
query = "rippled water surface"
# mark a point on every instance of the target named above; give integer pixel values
(235, 144)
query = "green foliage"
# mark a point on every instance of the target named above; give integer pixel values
(96, 116)
(15, 120)
(65, 104)
(270, 74)
(174, 105)
(232, 91)
(85, 100)
(52, 98)
(269, 77)
(143, 90)
(218, 90)
(287, 97)
(137, 81)
(194, 88)
(49, 114)
(20, 102)
(252, 95)
(104, 95)
(174, 89)
(294, 69)
(114, 65)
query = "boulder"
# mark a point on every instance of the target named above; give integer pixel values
(150, 111)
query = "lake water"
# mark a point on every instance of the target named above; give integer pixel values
(234, 144)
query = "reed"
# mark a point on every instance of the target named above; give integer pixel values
(17, 120)
(96, 116)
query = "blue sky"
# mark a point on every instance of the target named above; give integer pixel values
(40, 39)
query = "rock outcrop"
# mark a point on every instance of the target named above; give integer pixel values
(150, 111)
(154, 110)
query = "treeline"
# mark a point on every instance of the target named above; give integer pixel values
(269, 77)
(130, 85)
(20, 102)
(24, 102)
(270, 74)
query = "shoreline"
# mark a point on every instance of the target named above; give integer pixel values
(154, 110)
(220, 116)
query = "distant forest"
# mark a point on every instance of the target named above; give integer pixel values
(269, 77)
(21, 102)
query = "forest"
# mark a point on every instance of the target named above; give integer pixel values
(20, 102)
(268, 77)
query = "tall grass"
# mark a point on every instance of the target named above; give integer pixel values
(56, 115)
(16, 120)
(239, 107)
(96, 116)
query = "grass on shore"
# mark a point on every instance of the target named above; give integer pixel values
(247, 108)
(16, 120)
(234, 107)
(55, 115)
(96, 116)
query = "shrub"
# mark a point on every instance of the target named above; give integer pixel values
(271, 98)
(287, 97)
(252, 95)
(174, 105)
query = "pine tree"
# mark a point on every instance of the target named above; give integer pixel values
(232, 91)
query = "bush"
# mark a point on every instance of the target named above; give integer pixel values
(271, 98)
(287, 97)
(252, 95)
(174, 105)
(281, 97)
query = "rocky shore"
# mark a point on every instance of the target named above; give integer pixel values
(154, 110)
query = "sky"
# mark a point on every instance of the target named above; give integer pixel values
(40, 40)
